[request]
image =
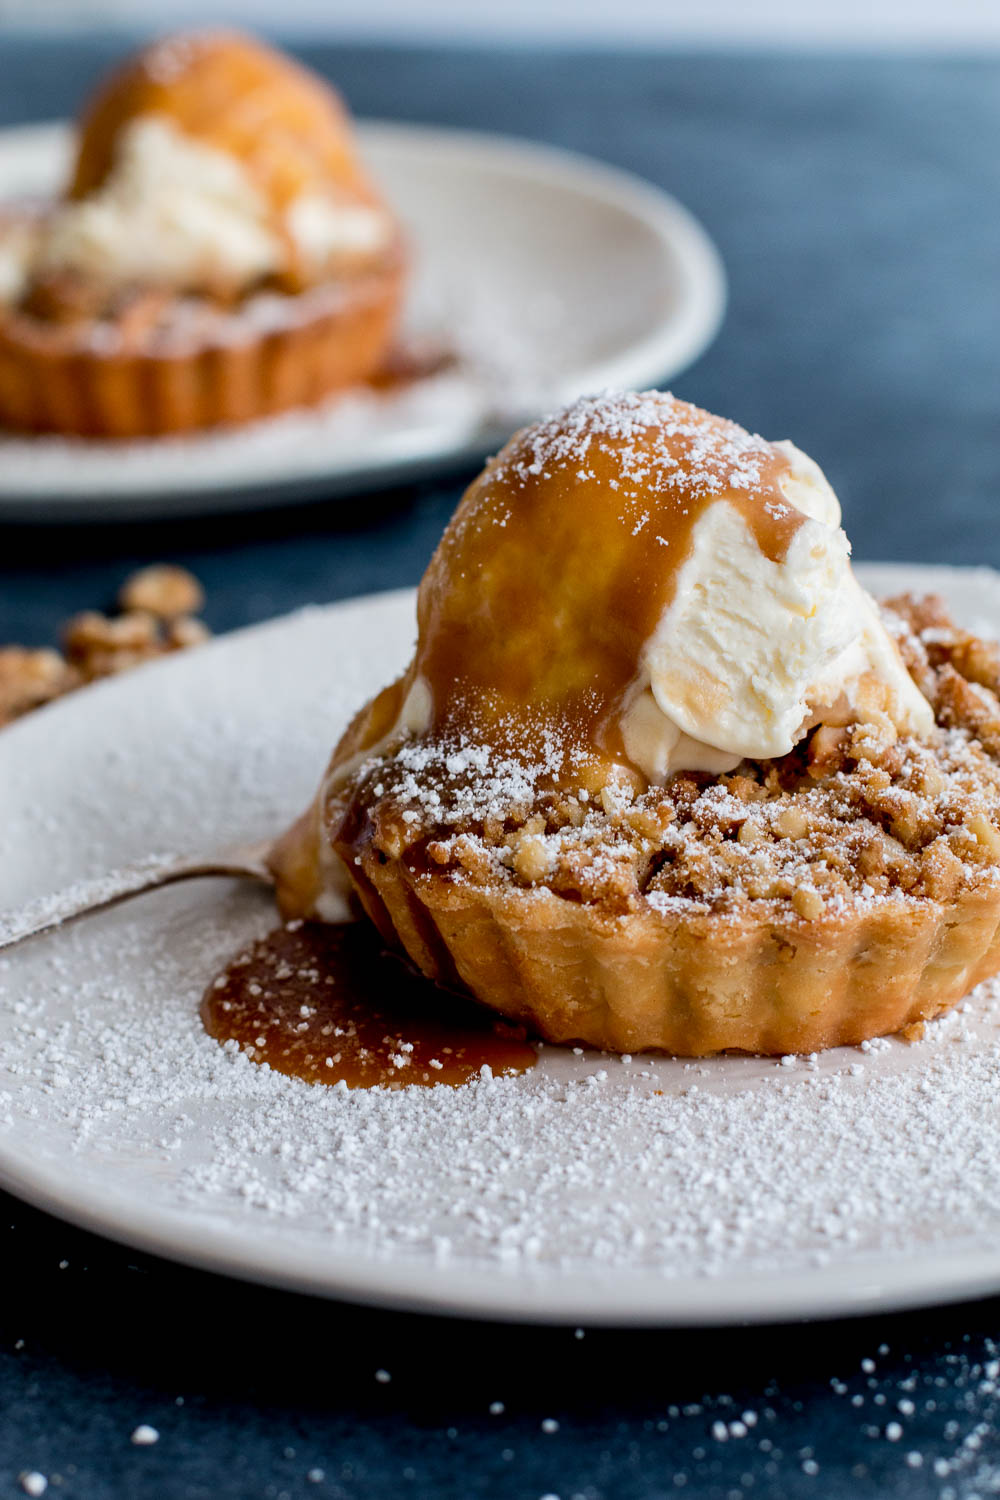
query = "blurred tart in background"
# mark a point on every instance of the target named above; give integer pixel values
(219, 254)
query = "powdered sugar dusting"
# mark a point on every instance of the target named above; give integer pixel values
(170, 58)
(660, 445)
(690, 449)
(459, 780)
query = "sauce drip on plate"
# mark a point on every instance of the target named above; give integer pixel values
(404, 365)
(330, 1004)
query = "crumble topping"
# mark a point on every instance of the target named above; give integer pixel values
(67, 309)
(853, 813)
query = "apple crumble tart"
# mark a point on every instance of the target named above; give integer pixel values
(661, 774)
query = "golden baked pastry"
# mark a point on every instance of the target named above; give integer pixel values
(661, 775)
(219, 254)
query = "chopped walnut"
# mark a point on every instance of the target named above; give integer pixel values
(941, 870)
(807, 903)
(975, 659)
(876, 741)
(158, 620)
(102, 647)
(791, 822)
(30, 678)
(530, 857)
(921, 612)
(185, 632)
(969, 705)
(92, 632)
(751, 833)
(986, 835)
(164, 591)
(827, 749)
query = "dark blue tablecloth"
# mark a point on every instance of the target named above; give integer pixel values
(855, 202)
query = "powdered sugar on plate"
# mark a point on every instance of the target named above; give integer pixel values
(636, 1188)
(700, 1169)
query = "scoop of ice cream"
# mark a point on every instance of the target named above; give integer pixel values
(286, 125)
(176, 211)
(172, 210)
(640, 577)
(751, 650)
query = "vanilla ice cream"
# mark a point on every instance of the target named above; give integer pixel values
(751, 651)
(172, 210)
(178, 212)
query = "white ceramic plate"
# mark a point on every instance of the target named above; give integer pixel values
(549, 274)
(591, 1190)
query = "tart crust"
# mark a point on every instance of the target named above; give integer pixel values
(689, 983)
(233, 367)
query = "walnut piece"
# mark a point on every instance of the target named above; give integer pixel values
(179, 634)
(30, 678)
(164, 591)
(158, 603)
(100, 647)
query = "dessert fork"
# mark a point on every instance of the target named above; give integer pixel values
(249, 861)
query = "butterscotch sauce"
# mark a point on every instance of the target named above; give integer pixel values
(328, 1004)
(286, 125)
(565, 552)
(404, 365)
(558, 565)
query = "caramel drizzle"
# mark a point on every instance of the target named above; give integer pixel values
(562, 557)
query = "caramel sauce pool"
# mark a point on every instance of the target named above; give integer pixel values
(404, 365)
(328, 1004)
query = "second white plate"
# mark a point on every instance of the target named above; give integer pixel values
(550, 275)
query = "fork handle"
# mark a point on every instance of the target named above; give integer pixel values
(101, 891)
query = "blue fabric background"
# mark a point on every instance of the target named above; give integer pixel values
(855, 201)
